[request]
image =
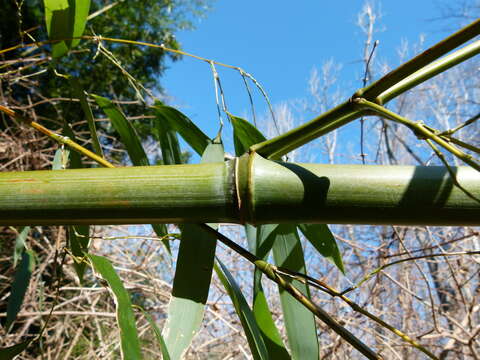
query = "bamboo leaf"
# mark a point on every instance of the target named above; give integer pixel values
(167, 137)
(20, 244)
(126, 131)
(195, 261)
(244, 135)
(19, 286)
(271, 337)
(322, 239)
(249, 324)
(129, 343)
(299, 322)
(87, 111)
(65, 19)
(78, 241)
(158, 334)
(184, 126)
(12, 351)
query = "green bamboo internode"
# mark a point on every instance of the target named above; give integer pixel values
(249, 189)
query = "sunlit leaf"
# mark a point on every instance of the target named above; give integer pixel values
(167, 137)
(244, 135)
(195, 261)
(258, 246)
(87, 111)
(65, 19)
(299, 321)
(129, 342)
(184, 126)
(249, 324)
(320, 236)
(126, 131)
(20, 284)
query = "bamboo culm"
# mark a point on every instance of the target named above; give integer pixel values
(249, 189)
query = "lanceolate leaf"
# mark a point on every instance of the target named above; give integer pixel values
(244, 135)
(184, 126)
(126, 131)
(87, 111)
(12, 351)
(65, 19)
(167, 137)
(195, 261)
(249, 324)
(129, 343)
(322, 239)
(19, 286)
(271, 336)
(299, 322)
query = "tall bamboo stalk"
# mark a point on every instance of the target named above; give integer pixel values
(249, 189)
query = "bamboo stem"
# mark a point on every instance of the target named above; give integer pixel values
(249, 189)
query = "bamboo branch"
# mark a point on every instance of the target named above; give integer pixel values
(57, 137)
(421, 130)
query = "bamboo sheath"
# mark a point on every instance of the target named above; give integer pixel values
(249, 189)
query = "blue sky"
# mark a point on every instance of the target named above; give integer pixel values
(280, 44)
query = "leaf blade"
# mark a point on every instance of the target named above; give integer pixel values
(195, 261)
(65, 19)
(244, 135)
(126, 131)
(299, 321)
(19, 287)
(129, 342)
(184, 126)
(249, 324)
(322, 239)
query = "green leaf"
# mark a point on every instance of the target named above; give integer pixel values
(322, 239)
(78, 241)
(299, 321)
(271, 337)
(12, 351)
(244, 135)
(19, 286)
(126, 131)
(195, 261)
(129, 343)
(65, 19)
(20, 244)
(167, 137)
(184, 126)
(249, 324)
(158, 335)
(87, 110)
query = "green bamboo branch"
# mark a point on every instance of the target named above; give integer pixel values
(406, 76)
(335, 293)
(418, 62)
(422, 131)
(274, 274)
(57, 137)
(325, 123)
(461, 126)
(429, 71)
